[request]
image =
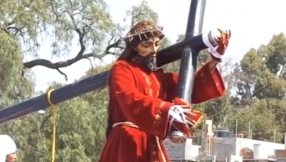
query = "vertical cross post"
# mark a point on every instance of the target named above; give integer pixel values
(189, 61)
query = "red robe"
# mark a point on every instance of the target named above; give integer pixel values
(144, 99)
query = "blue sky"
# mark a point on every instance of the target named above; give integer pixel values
(253, 22)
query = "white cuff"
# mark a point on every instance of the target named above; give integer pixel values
(170, 116)
(216, 54)
(206, 40)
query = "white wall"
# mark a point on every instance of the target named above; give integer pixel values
(223, 146)
(266, 148)
(232, 146)
(186, 151)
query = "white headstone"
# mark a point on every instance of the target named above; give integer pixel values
(257, 153)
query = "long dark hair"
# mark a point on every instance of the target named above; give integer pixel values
(126, 54)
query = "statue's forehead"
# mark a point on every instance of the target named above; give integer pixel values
(152, 39)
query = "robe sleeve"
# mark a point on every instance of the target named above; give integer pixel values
(208, 85)
(148, 113)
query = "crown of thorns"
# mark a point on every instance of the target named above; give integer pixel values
(143, 32)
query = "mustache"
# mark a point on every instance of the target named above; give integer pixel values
(152, 54)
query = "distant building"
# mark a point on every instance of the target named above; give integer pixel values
(220, 145)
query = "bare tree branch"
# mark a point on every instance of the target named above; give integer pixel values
(113, 45)
(82, 31)
(80, 55)
(62, 64)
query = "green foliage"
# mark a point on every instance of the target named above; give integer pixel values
(260, 84)
(81, 124)
(57, 19)
(13, 86)
(142, 12)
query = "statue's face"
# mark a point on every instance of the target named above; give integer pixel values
(147, 49)
(11, 157)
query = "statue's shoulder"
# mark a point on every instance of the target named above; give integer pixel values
(121, 63)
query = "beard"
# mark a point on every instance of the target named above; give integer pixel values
(150, 61)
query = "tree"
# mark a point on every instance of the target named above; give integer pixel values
(63, 21)
(80, 131)
(260, 80)
(14, 86)
(141, 12)
(258, 119)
